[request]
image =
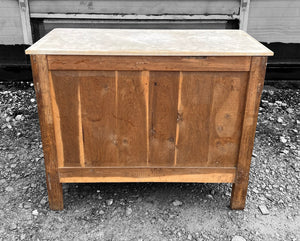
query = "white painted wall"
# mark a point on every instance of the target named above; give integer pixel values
(275, 20)
(10, 23)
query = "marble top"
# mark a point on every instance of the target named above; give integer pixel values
(150, 42)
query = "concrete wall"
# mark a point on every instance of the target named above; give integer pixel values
(10, 23)
(275, 20)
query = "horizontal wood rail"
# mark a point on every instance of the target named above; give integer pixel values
(138, 174)
(160, 63)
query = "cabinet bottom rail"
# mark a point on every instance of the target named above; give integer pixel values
(141, 174)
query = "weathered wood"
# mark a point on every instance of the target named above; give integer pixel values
(68, 62)
(193, 119)
(255, 86)
(154, 174)
(66, 102)
(42, 89)
(275, 21)
(153, 7)
(11, 24)
(163, 114)
(25, 19)
(131, 123)
(225, 118)
(98, 101)
(149, 118)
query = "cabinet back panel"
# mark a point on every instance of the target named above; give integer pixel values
(148, 118)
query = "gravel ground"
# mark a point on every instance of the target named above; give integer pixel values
(150, 211)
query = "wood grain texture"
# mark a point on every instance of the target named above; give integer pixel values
(66, 91)
(154, 174)
(153, 7)
(98, 117)
(163, 95)
(255, 86)
(225, 118)
(193, 119)
(131, 129)
(42, 90)
(69, 62)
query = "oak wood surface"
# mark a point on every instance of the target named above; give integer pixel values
(42, 90)
(69, 62)
(255, 86)
(163, 97)
(155, 174)
(148, 119)
(66, 100)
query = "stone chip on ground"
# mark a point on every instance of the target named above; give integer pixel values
(177, 203)
(109, 202)
(128, 211)
(238, 238)
(263, 209)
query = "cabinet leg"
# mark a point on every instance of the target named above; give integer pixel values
(238, 196)
(55, 192)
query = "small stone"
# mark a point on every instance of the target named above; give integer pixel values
(263, 209)
(209, 196)
(283, 140)
(177, 203)
(109, 202)
(101, 212)
(35, 212)
(19, 117)
(238, 238)
(189, 237)
(32, 100)
(128, 211)
(279, 120)
(290, 110)
(285, 151)
(23, 236)
(9, 189)
(13, 226)
(43, 201)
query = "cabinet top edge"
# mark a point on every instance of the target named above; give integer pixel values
(148, 42)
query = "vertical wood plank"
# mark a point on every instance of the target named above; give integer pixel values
(65, 85)
(193, 122)
(225, 119)
(255, 86)
(25, 19)
(97, 90)
(42, 90)
(131, 119)
(163, 93)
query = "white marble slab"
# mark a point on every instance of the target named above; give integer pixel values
(149, 43)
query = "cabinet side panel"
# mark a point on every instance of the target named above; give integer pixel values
(66, 99)
(255, 86)
(98, 102)
(42, 89)
(163, 95)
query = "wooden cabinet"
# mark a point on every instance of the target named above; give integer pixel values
(140, 108)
